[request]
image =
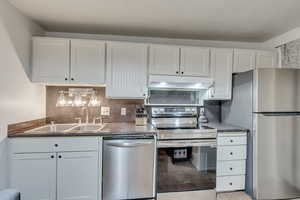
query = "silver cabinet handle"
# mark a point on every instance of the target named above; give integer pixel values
(128, 144)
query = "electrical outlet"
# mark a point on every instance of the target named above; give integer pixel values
(123, 111)
(105, 111)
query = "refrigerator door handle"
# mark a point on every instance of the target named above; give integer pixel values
(274, 114)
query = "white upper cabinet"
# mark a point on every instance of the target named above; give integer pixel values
(62, 61)
(34, 175)
(244, 60)
(87, 62)
(77, 176)
(164, 60)
(194, 61)
(126, 70)
(50, 60)
(221, 67)
(266, 59)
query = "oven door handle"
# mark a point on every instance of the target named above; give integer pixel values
(187, 143)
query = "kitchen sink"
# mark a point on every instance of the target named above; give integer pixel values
(52, 128)
(87, 127)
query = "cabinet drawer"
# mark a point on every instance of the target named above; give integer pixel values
(232, 152)
(77, 144)
(41, 145)
(225, 141)
(227, 168)
(230, 183)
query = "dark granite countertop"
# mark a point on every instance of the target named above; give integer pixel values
(222, 127)
(109, 129)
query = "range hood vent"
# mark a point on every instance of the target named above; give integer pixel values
(157, 82)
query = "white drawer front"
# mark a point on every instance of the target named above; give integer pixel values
(29, 145)
(225, 141)
(232, 152)
(230, 183)
(43, 145)
(227, 168)
(77, 144)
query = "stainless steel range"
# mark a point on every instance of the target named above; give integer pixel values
(186, 151)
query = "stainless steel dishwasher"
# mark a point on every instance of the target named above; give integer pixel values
(129, 166)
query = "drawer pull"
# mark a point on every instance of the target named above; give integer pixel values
(59, 156)
(52, 156)
(230, 168)
(231, 141)
(56, 145)
(230, 183)
(231, 153)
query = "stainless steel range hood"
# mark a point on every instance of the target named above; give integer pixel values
(157, 82)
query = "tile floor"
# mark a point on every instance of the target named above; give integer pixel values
(233, 196)
(222, 196)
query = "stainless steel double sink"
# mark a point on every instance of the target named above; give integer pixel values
(65, 128)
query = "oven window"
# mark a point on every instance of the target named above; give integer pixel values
(186, 169)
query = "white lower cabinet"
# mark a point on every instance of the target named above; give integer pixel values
(230, 183)
(231, 161)
(34, 175)
(232, 152)
(77, 176)
(227, 168)
(58, 174)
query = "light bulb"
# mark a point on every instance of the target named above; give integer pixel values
(77, 101)
(61, 101)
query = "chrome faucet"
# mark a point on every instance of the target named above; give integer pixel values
(86, 114)
(98, 118)
(79, 120)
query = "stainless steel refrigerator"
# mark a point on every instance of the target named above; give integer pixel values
(267, 102)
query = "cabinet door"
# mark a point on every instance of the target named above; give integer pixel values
(50, 60)
(126, 70)
(194, 61)
(87, 62)
(266, 59)
(244, 60)
(221, 66)
(34, 175)
(77, 176)
(164, 60)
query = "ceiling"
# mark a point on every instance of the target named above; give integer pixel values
(236, 20)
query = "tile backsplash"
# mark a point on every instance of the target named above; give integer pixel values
(68, 114)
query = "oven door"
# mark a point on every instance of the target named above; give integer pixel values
(186, 165)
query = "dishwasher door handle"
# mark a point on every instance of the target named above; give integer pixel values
(128, 144)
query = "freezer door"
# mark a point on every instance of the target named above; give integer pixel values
(276, 90)
(276, 156)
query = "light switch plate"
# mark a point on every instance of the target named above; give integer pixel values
(123, 111)
(105, 111)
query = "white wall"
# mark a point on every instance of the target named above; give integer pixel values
(20, 30)
(20, 100)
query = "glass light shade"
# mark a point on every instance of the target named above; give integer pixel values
(61, 100)
(94, 101)
(78, 101)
